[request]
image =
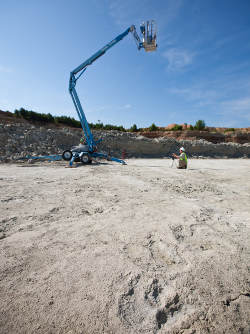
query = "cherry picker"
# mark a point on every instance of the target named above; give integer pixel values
(85, 153)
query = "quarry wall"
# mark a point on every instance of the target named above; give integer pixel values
(18, 140)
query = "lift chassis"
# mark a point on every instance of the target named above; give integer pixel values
(86, 153)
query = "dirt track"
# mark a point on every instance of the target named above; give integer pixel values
(142, 248)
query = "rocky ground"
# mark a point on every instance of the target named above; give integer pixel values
(21, 139)
(141, 248)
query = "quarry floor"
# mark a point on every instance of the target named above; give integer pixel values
(141, 248)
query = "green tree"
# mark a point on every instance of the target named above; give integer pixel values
(177, 127)
(98, 125)
(133, 128)
(70, 121)
(153, 127)
(200, 125)
(121, 128)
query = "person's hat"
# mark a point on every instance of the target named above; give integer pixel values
(182, 149)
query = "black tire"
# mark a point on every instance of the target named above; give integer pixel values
(67, 155)
(85, 159)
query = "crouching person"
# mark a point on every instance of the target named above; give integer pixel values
(182, 158)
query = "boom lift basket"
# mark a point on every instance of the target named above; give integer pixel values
(148, 31)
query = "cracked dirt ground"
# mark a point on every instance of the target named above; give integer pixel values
(142, 248)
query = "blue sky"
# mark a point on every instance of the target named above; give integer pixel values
(201, 69)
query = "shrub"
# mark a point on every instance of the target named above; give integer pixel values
(98, 126)
(33, 116)
(229, 129)
(113, 127)
(30, 115)
(200, 125)
(121, 128)
(108, 127)
(101, 126)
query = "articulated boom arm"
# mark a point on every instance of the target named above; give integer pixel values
(82, 68)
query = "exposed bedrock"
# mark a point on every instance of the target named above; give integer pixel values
(17, 140)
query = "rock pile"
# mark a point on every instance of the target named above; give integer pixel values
(19, 140)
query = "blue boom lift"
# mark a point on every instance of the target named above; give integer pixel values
(85, 153)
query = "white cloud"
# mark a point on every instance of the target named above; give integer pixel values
(178, 59)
